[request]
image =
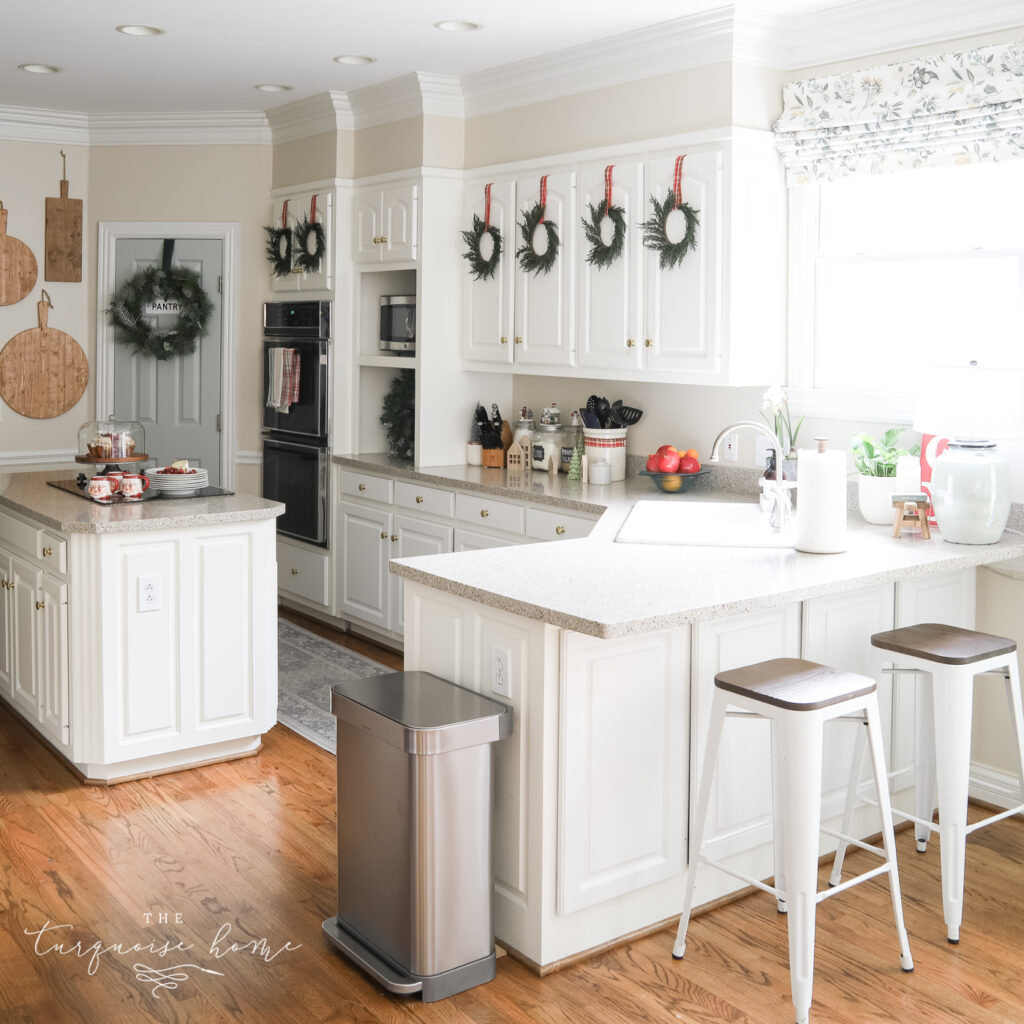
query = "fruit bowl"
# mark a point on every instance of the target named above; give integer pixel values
(674, 483)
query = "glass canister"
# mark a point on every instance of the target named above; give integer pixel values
(570, 436)
(547, 446)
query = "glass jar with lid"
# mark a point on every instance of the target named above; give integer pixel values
(571, 434)
(546, 448)
(112, 441)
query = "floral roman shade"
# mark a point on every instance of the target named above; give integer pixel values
(954, 108)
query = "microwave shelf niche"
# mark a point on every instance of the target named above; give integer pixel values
(377, 291)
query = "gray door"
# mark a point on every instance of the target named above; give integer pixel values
(177, 400)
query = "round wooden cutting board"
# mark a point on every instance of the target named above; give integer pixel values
(43, 371)
(18, 269)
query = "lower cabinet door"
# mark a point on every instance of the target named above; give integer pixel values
(413, 536)
(472, 540)
(25, 625)
(6, 625)
(52, 663)
(365, 548)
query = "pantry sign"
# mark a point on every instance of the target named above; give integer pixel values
(162, 307)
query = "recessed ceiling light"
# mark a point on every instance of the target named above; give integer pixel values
(40, 69)
(354, 58)
(141, 30)
(271, 87)
(457, 26)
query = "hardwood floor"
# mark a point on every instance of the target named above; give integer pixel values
(359, 644)
(250, 845)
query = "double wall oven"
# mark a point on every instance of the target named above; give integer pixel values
(296, 461)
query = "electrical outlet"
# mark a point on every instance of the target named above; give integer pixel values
(501, 682)
(762, 446)
(731, 447)
(149, 593)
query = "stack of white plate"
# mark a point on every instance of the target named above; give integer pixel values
(177, 485)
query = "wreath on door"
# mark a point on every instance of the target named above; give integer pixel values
(176, 286)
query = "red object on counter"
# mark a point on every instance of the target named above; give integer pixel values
(932, 446)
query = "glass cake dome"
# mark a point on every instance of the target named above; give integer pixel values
(111, 441)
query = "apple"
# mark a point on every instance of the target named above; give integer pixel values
(652, 463)
(665, 448)
(668, 461)
(688, 464)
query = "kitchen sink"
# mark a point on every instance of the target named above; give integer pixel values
(730, 524)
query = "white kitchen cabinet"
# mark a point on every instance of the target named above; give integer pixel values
(52, 661)
(474, 540)
(623, 764)
(384, 224)
(26, 688)
(303, 572)
(6, 625)
(365, 550)
(412, 536)
(609, 311)
(548, 524)
(300, 205)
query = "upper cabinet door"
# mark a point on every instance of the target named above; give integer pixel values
(301, 209)
(366, 226)
(609, 314)
(398, 221)
(488, 316)
(683, 303)
(544, 298)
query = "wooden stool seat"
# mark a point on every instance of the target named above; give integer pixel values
(947, 645)
(794, 684)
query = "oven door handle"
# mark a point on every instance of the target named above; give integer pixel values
(294, 446)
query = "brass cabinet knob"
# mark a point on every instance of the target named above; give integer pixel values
(383, 239)
(648, 343)
(518, 340)
(394, 537)
(47, 552)
(503, 340)
(419, 499)
(295, 572)
(383, 534)
(6, 584)
(484, 513)
(40, 605)
(630, 343)
(362, 487)
(559, 530)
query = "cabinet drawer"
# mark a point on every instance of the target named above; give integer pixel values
(486, 511)
(470, 540)
(302, 572)
(20, 535)
(52, 551)
(542, 524)
(424, 499)
(370, 488)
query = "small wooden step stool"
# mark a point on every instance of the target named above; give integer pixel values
(911, 514)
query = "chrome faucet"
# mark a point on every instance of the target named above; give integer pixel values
(776, 493)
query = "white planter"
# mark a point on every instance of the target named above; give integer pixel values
(874, 498)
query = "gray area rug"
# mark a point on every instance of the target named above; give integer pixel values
(307, 667)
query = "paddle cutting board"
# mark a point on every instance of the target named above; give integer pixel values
(63, 259)
(18, 270)
(43, 371)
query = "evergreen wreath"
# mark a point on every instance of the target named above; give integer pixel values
(530, 260)
(280, 257)
(307, 261)
(601, 255)
(655, 237)
(480, 268)
(175, 284)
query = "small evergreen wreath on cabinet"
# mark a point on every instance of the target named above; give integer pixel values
(152, 284)
(481, 269)
(601, 255)
(279, 250)
(670, 254)
(530, 260)
(306, 260)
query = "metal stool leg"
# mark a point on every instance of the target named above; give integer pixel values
(1017, 713)
(924, 768)
(874, 731)
(801, 737)
(778, 819)
(707, 774)
(953, 697)
(846, 828)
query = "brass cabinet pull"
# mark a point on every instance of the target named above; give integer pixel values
(518, 340)
(419, 499)
(383, 534)
(630, 343)
(47, 552)
(484, 513)
(295, 572)
(559, 530)
(648, 343)
(6, 584)
(40, 605)
(362, 487)
(503, 340)
(383, 239)
(394, 537)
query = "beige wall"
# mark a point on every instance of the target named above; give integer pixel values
(311, 159)
(389, 147)
(444, 142)
(691, 100)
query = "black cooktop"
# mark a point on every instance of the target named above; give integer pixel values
(78, 489)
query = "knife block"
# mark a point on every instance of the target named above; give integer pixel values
(494, 458)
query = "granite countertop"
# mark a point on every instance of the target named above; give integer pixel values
(29, 494)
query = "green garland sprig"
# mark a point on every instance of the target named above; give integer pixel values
(601, 255)
(480, 268)
(307, 261)
(530, 260)
(280, 258)
(177, 284)
(655, 237)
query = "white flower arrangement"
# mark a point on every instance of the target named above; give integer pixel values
(775, 412)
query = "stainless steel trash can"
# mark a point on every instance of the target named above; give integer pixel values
(414, 831)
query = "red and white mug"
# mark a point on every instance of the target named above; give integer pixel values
(102, 488)
(133, 486)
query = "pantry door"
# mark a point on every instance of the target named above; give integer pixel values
(177, 400)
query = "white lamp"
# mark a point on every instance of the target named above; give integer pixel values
(972, 406)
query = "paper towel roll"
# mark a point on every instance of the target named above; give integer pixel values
(821, 501)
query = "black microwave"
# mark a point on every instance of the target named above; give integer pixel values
(398, 324)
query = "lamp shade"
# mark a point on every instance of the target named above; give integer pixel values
(972, 402)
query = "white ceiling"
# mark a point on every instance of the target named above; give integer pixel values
(215, 51)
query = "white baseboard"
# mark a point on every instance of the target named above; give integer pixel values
(248, 458)
(995, 787)
(37, 458)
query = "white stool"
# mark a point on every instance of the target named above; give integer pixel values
(798, 697)
(947, 658)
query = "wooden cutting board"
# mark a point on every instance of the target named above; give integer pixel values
(43, 371)
(63, 254)
(18, 270)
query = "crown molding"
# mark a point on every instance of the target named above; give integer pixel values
(29, 124)
(316, 115)
(215, 128)
(442, 95)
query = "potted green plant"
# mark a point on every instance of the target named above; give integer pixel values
(775, 412)
(398, 415)
(876, 461)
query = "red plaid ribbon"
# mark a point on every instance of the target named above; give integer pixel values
(677, 181)
(284, 214)
(543, 196)
(604, 442)
(608, 186)
(487, 205)
(290, 377)
(312, 210)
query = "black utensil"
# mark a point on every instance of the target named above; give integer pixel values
(603, 410)
(626, 413)
(590, 419)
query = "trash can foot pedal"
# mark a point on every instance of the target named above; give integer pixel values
(432, 987)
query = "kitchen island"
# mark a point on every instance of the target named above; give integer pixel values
(608, 653)
(138, 638)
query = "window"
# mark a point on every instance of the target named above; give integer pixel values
(890, 272)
